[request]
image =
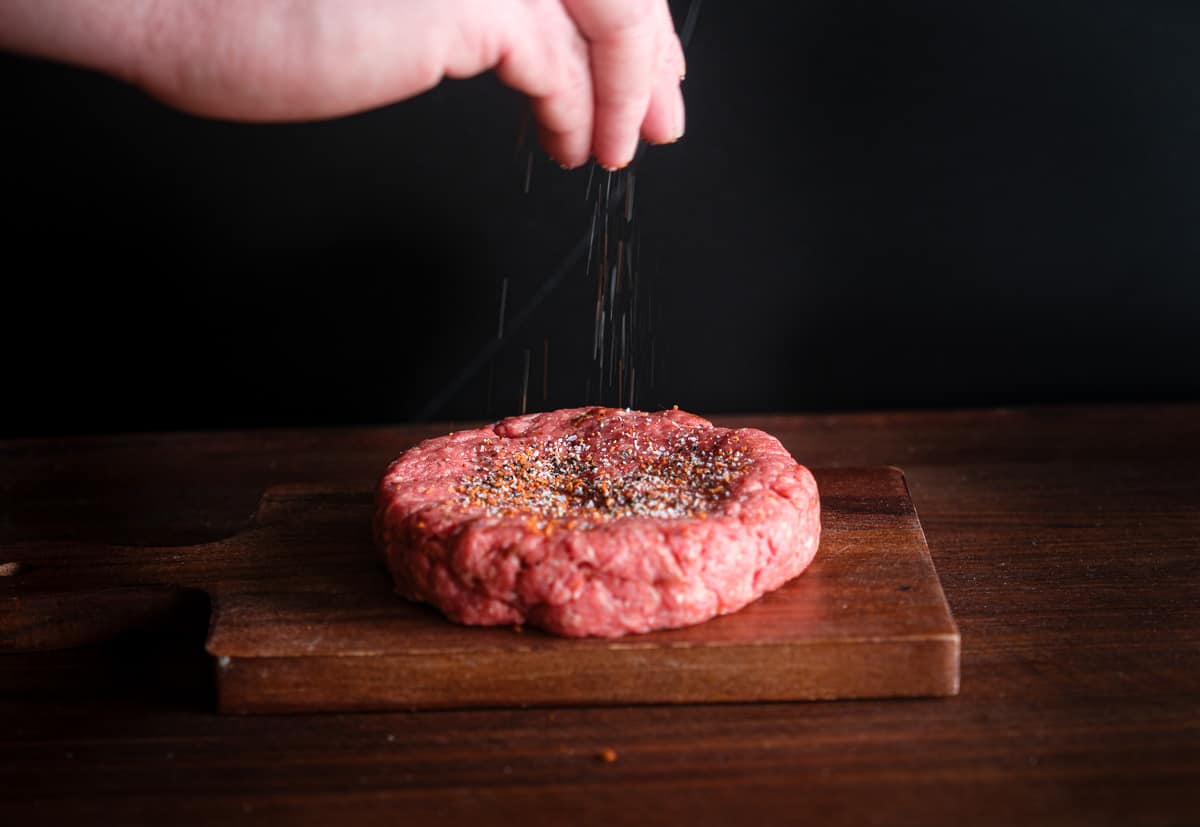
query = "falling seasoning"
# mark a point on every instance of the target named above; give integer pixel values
(525, 384)
(621, 329)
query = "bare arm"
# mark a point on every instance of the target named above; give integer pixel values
(598, 72)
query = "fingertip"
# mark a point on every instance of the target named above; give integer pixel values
(679, 59)
(612, 162)
(616, 138)
(568, 151)
(573, 160)
(664, 123)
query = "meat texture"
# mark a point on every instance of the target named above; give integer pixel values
(596, 521)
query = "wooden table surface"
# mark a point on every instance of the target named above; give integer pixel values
(1067, 540)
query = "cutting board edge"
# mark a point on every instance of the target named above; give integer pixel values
(593, 644)
(910, 667)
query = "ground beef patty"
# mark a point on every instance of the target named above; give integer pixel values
(596, 521)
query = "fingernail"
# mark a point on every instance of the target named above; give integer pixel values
(626, 159)
(680, 117)
(566, 165)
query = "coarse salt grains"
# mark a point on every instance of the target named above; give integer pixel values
(566, 478)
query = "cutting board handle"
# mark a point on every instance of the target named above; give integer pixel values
(59, 595)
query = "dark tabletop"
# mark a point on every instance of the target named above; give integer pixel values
(1067, 540)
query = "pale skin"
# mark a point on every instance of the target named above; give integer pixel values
(599, 74)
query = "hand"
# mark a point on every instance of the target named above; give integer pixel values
(598, 72)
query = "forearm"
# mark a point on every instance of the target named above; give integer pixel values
(597, 72)
(256, 60)
(106, 35)
(186, 53)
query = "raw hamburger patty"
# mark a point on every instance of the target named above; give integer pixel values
(596, 521)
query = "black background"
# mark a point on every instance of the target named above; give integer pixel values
(918, 204)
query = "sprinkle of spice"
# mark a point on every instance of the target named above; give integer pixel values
(577, 483)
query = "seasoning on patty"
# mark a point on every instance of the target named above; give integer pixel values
(596, 521)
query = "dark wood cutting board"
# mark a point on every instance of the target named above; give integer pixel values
(304, 618)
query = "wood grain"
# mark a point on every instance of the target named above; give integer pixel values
(868, 619)
(1067, 541)
(304, 618)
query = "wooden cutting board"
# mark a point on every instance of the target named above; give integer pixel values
(304, 618)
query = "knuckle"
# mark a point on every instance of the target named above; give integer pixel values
(668, 58)
(624, 101)
(604, 19)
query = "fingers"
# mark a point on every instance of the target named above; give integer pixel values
(569, 145)
(670, 49)
(598, 73)
(664, 121)
(564, 113)
(623, 40)
(548, 61)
